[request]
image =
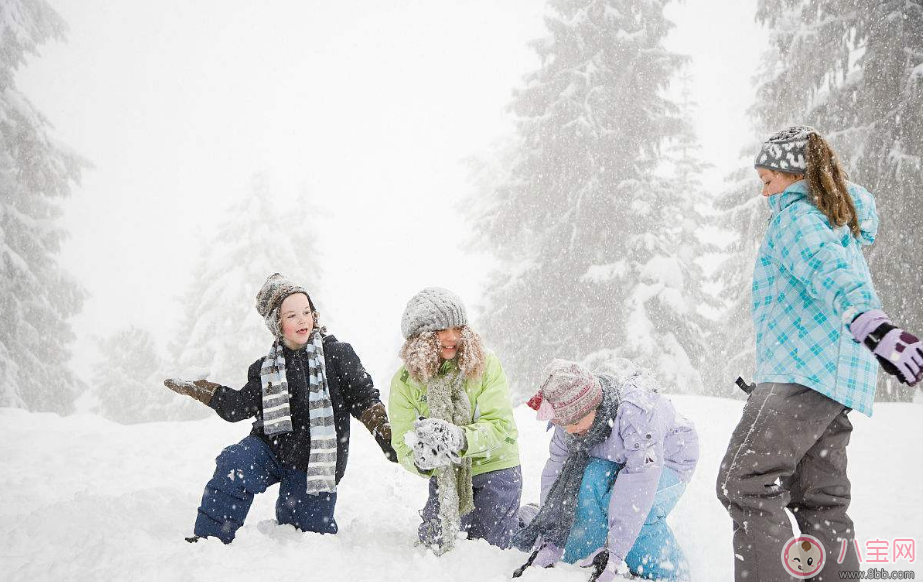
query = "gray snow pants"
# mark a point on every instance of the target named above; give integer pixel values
(787, 452)
(496, 503)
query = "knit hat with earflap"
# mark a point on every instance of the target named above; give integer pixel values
(433, 309)
(568, 393)
(785, 151)
(270, 298)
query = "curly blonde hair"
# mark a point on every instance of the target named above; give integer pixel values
(420, 354)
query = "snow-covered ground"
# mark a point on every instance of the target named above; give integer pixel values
(82, 498)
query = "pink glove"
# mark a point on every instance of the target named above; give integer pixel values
(900, 353)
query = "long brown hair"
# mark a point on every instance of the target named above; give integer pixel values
(827, 183)
(420, 354)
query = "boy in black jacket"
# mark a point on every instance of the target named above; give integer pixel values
(301, 395)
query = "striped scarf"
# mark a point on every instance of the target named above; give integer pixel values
(277, 417)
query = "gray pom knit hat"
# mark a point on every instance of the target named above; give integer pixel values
(433, 309)
(270, 298)
(785, 151)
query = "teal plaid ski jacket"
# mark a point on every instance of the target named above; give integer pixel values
(809, 282)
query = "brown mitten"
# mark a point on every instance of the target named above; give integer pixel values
(201, 390)
(375, 418)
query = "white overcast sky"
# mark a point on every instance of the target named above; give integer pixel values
(369, 107)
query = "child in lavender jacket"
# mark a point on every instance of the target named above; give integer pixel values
(620, 458)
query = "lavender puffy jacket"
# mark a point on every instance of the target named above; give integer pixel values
(648, 435)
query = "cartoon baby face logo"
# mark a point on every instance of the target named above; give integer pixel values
(803, 556)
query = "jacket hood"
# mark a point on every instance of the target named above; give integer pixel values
(862, 199)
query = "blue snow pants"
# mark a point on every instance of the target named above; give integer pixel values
(496, 502)
(248, 468)
(655, 554)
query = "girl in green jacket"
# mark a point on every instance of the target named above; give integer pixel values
(452, 422)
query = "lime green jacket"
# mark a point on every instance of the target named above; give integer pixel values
(491, 434)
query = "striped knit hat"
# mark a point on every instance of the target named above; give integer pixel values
(569, 393)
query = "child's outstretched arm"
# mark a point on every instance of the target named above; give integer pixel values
(231, 405)
(201, 390)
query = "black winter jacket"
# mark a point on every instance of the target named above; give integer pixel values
(351, 392)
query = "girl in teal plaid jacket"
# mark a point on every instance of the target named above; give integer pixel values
(820, 337)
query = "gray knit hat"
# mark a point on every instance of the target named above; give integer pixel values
(270, 298)
(433, 309)
(785, 151)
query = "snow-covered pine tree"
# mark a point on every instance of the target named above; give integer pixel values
(856, 72)
(684, 151)
(37, 297)
(221, 332)
(583, 220)
(686, 162)
(743, 212)
(128, 383)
